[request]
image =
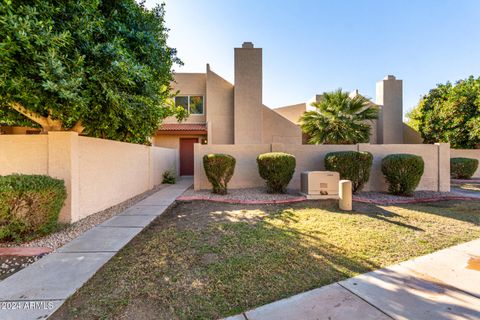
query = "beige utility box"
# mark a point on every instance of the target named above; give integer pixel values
(320, 184)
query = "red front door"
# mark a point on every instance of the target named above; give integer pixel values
(186, 156)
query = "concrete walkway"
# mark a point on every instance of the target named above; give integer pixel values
(38, 290)
(441, 285)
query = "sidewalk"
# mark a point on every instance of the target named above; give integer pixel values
(441, 285)
(38, 290)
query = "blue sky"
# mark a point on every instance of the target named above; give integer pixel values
(314, 46)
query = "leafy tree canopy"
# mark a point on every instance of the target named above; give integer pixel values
(339, 119)
(450, 113)
(98, 67)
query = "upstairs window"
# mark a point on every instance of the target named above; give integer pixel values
(193, 104)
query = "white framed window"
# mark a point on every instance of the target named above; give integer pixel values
(193, 104)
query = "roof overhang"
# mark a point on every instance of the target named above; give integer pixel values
(182, 129)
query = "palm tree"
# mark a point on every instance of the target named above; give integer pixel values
(339, 119)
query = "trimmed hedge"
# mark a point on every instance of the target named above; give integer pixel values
(351, 165)
(277, 169)
(402, 172)
(29, 206)
(463, 168)
(219, 169)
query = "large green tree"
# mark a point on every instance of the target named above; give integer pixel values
(339, 119)
(450, 113)
(102, 68)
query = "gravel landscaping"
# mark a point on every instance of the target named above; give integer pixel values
(259, 195)
(250, 195)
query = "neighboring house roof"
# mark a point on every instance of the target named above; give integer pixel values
(182, 128)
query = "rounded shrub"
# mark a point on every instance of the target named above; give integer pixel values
(29, 205)
(219, 169)
(351, 165)
(463, 168)
(402, 172)
(277, 169)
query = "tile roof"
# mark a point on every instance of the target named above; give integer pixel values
(183, 127)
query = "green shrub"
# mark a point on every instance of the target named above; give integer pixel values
(169, 177)
(277, 169)
(351, 165)
(29, 205)
(219, 169)
(402, 172)
(463, 168)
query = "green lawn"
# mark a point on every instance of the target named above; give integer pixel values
(204, 260)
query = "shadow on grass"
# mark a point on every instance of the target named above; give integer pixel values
(203, 260)
(379, 213)
(463, 210)
(209, 261)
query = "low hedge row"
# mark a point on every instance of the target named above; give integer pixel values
(29, 205)
(402, 171)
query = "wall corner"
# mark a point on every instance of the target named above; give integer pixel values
(63, 163)
(443, 167)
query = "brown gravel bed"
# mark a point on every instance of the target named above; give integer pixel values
(69, 232)
(248, 194)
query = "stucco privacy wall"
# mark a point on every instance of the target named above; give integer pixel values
(436, 176)
(97, 173)
(311, 157)
(246, 173)
(23, 153)
(467, 153)
(161, 160)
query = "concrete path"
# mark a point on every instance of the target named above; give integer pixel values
(38, 290)
(441, 285)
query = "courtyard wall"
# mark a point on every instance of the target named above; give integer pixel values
(311, 158)
(98, 173)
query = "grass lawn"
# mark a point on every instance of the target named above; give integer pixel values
(204, 260)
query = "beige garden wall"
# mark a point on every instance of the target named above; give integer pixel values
(436, 176)
(97, 173)
(246, 173)
(467, 153)
(23, 153)
(311, 157)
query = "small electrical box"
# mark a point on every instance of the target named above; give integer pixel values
(320, 184)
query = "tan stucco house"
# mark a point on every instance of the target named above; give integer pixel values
(225, 113)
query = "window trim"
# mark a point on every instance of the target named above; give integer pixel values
(188, 101)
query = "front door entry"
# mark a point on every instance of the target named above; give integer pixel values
(186, 156)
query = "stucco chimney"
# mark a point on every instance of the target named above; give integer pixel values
(390, 123)
(248, 118)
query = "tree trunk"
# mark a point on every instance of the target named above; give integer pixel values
(47, 123)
